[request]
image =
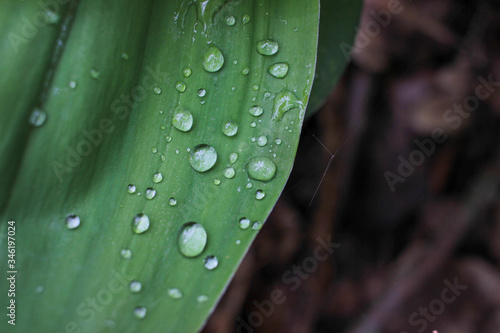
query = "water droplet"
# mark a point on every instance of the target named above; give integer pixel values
(157, 90)
(126, 253)
(192, 239)
(168, 138)
(150, 193)
(249, 185)
(202, 93)
(216, 181)
(182, 119)
(52, 17)
(211, 262)
(279, 70)
(154, 150)
(262, 141)
(94, 74)
(256, 110)
(135, 286)
(277, 141)
(131, 188)
(255, 88)
(202, 299)
(259, 195)
(187, 72)
(180, 86)
(157, 177)
(213, 60)
(245, 71)
(72, 84)
(72, 221)
(253, 124)
(230, 20)
(203, 157)
(229, 173)
(244, 223)
(267, 47)
(124, 56)
(257, 225)
(140, 312)
(38, 117)
(174, 293)
(229, 128)
(140, 223)
(233, 157)
(245, 19)
(238, 242)
(284, 101)
(261, 168)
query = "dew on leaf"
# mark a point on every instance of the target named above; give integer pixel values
(187, 72)
(94, 74)
(262, 141)
(230, 20)
(245, 19)
(157, 90)
(175, 293)
(72, 221)
(244, 223)
(140, 312)
(172, 201)
(256, 110)
(202, 298)
(233, 157)
(126, 253)
(284, 101)
(157, 177)
(267, 47)
(257, 225)
(260, 194)
(278, 70)
(213, 60)
(180, 86)
(182, 119)
(202, 92)
(261, 168)
(203, 157)
(131, 189)
(38, 117)
(140, 223)
(135, 286)
(150, 193)
(192, 239)
(229, 128)
(211, 262)
(229, 173)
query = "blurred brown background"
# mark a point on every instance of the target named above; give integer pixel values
(401, 171)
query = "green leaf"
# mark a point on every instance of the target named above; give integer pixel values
(336, 39)
(135, 93)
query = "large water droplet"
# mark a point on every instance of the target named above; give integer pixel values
(38, 117)
(140, 223)
(72, 221)
(174, 293)
(229, 173)
(135, 286)
(182, 119)
(192, 239)
(284, 101)
(230, 128)
(150, 193)
(256, 110)
(140, 312)
(213, 60)
(261, 168)
(211, 262)
(157, 177)
(267, 47)
(244, 223)
(279, 70)
(203, 157)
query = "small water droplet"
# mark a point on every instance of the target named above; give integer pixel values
(131, 188)
(245, 19)
(284, 101)
(168, 138)
(124, 56)
(202, 93)
(255, 88)
(279, 70)
(72, 84)
(230, 128)
(94, 74)
(140, 223)
(157, 90)
(203, 157)
(140, 312)
(187, 72)
(229, 173)
(262, 141)
(38, 117)
(277, 141)
(150, 193)
(211, 262)
(126, 253)
(182, 119)
(157, 177)
(154, 150)
(230, 20)
(175, 293)
(256, 110)
(244, 223)
(213, 60)
(245, 71)
(233, 157)
(216, 181)
(267, 47)
(257, 225)
(180, 86)
(72, 221)
(135, 286)
(52, 17)
(261, 168)
(172, 201)
(260, 194)
(253, 124)
(192, 239)
(249, 185)
(238, 242)
(202, 299)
